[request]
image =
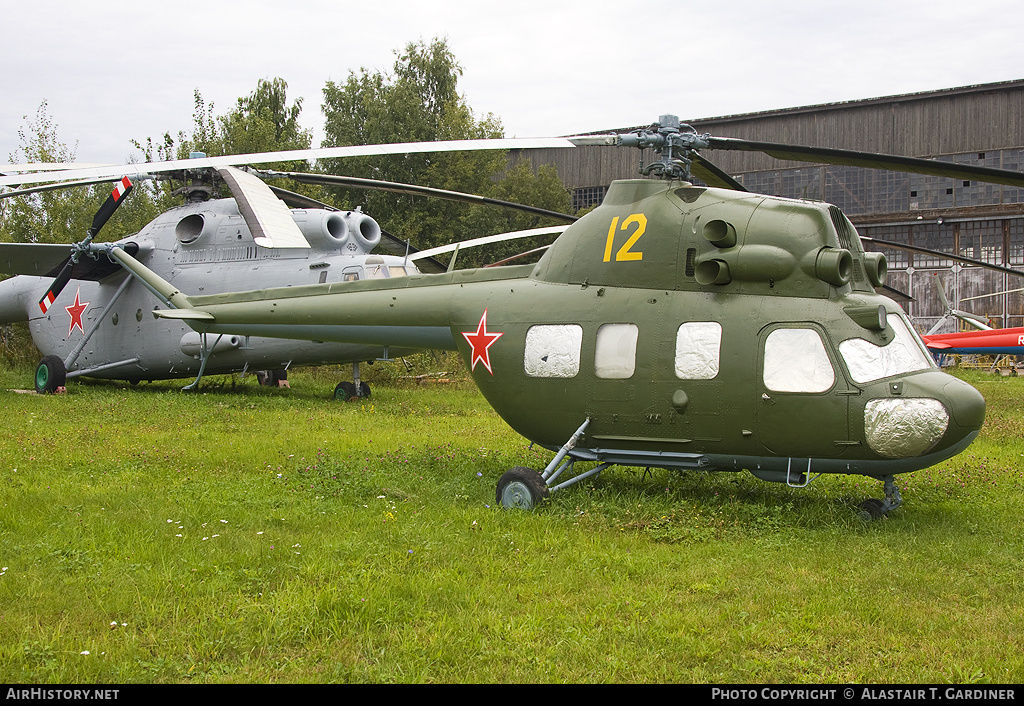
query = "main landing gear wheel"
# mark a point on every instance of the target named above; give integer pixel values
(272, 378)
(521, 488)
(346, 391)
(50, 375)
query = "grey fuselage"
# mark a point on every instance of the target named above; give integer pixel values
(201, 248)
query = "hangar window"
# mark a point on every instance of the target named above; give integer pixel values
(587, 197)
(795, 361)
(615, 356)
(553, 351)
(698, 349)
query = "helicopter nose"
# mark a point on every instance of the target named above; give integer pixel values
(966, 404)
(921, 423)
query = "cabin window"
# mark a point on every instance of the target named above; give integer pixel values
(795, 360)
(553, 351)
(615, 356)
(698, 350)
(903, 354)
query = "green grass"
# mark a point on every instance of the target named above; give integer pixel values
(243, 534)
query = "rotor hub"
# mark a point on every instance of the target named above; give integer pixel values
(673, 141)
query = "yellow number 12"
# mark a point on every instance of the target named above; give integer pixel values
(625, 253)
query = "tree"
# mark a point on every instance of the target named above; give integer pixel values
(419, 102)
(519, 184)
(63, 215)
(263, 121)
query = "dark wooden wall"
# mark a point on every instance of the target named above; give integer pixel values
(931, 124)
(956, 121)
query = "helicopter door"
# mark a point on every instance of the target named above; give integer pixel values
(803, 397)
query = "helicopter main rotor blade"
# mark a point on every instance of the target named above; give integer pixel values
(49, 166)
(55, 187)
(497, 238)
(869, 160)
(992, 294)
(291, 156)
(268, 218)
(940, 254)
(712, 175)
(526, 253)
(399, 188)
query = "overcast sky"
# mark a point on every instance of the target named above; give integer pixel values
(111, 72)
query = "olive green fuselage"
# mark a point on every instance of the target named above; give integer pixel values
(693, 327)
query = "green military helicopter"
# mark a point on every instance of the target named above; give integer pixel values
(675, 326)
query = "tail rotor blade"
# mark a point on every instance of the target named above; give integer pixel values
(63, 277)
(117, 196)
(121, 190)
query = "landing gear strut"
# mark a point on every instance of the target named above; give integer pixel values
(525, 489)
(873, 508)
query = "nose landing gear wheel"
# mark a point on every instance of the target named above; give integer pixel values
(871, 509)
(521, 488)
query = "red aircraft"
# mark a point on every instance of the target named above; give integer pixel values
(985, 341)
(997, 341)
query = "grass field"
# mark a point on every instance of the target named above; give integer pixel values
(248, 535)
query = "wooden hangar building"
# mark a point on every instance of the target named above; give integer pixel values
(982, 125)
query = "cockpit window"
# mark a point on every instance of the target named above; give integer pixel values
(903, 354)
(376, 272)
(795, 360)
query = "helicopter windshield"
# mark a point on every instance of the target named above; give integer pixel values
(904, 354)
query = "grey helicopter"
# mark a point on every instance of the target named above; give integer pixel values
(263, 236)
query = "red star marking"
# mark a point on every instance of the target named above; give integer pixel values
(479, 342)
(75, 311)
